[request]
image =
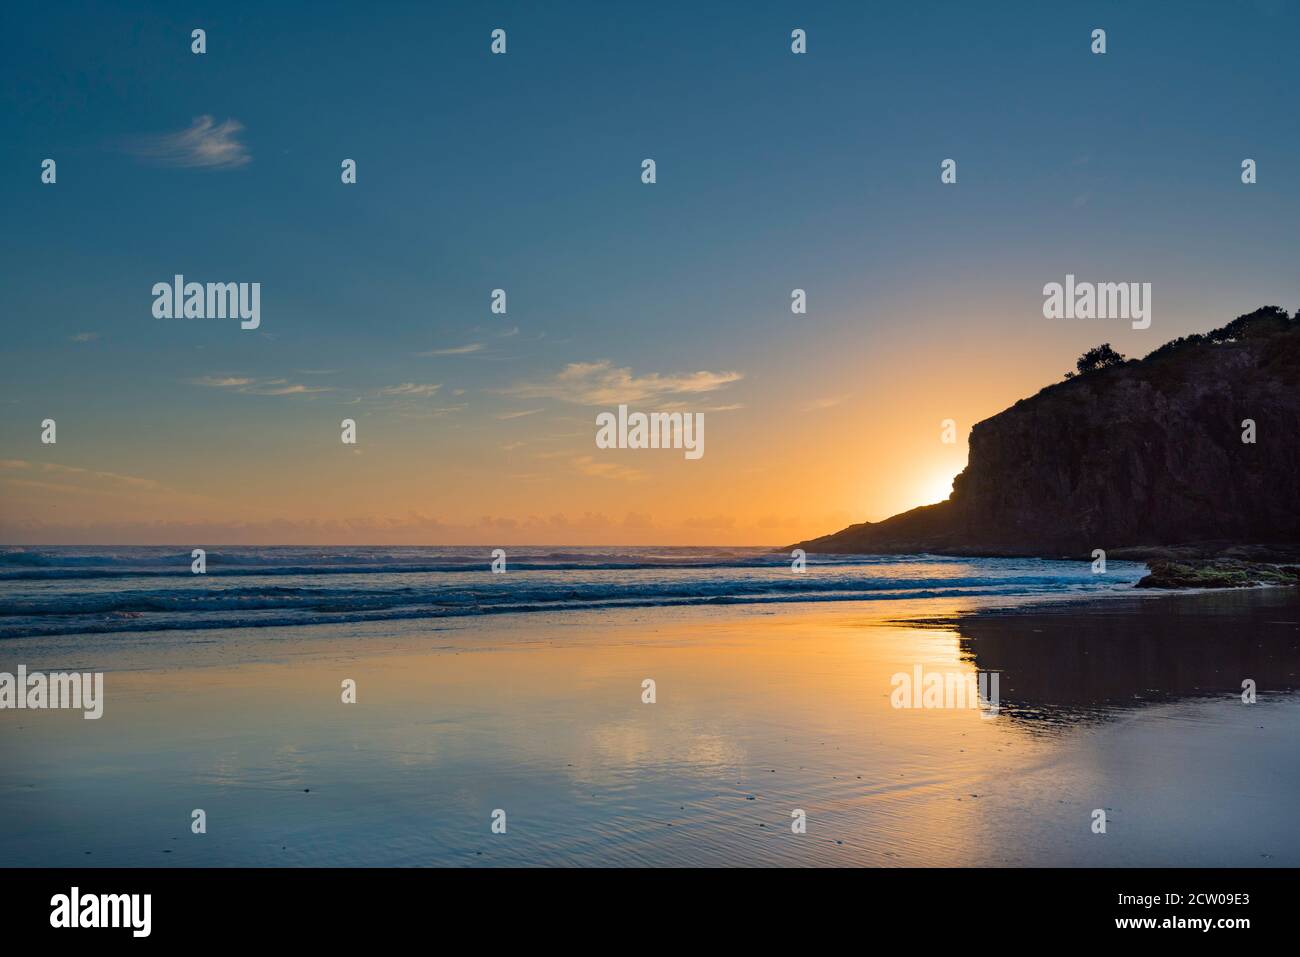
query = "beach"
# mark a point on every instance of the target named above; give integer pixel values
(1117, 701)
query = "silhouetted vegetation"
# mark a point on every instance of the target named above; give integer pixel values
(1099, 357)
(1265, 321)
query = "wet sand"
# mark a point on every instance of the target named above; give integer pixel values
(1132, 706)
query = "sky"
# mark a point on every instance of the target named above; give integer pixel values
(522, 171)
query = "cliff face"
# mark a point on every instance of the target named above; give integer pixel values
(1146, 453)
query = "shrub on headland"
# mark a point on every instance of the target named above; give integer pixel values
(1264, 321)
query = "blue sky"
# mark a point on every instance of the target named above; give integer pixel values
(522, 171)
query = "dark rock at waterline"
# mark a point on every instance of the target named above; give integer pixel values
(1222, 573)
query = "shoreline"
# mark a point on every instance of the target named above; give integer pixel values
(182, 646)
(271, 642)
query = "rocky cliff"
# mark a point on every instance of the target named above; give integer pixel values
(1128, 457)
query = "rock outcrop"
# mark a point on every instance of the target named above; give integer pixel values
(1217, 573)
(1134, 457)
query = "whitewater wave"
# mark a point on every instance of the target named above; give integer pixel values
(88, 591)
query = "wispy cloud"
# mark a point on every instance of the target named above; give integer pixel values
(504, 416)
(681, 405)
(408, 409)
(250, 386)
(113, 478)
(816, 405)
(84, 337)
(454, 350)
(280, 387)
(72, 478)
(610, 470)
(221, 381)
(412, 389)
(204, 144)
(601, 383)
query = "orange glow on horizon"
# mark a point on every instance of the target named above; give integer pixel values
(799, 447)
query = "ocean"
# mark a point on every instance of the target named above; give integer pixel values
(79, 590)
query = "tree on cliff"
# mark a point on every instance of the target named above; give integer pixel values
(1099, 357)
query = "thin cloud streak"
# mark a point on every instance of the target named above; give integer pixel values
(205, 144)
(454, 350)
(246, 385)
(412, 389)
(601, 383)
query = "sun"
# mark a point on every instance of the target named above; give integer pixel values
(937, 488)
